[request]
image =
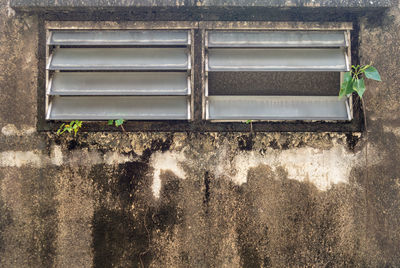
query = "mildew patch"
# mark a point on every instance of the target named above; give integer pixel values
(12, 130)
(163, 161)
(320, 167)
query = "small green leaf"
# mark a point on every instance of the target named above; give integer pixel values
(347, 77)
(248, 121)
(372, 73)
(119, 122)
(342, 92)
(359, 86)
(110, 122)
(74, 126)
(60, 129)
(347, 85)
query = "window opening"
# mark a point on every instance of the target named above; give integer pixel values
(275, 75)
(110, 74)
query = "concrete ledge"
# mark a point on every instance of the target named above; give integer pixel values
(77, 4)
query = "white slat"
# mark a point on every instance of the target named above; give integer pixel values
(112, 107)
(119, 83)
(276, 39)
(119, 59)
(118, 37)
(231, 108)
(307, 59)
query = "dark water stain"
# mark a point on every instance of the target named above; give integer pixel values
(157, 145)
(5, 220)
(352, 141)
(245, 142)
(72, 144)
(168, 213)
(289, 223)
(285, 145)
(121, 236)
(274, 144)
(40, 186)
(131, 175)
(122, 182)
(120, 239)
(248, 254)
(207, 182)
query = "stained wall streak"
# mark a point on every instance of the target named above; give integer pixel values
(75, 210)
(28, 196)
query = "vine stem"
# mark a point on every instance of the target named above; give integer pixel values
(366, 165)
(366, 136)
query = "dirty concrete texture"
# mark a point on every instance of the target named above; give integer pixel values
(192, 199)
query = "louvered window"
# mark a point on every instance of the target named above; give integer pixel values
(276, 75)
(199, 75)
(111, 74)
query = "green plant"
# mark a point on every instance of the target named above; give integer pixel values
(117, 123)
(251, 124)
(353, 81)
(74, 126)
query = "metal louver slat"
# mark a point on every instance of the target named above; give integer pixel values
(277, 39)
(111, 107)
(119, 83)
(306, 59)
(277, 108)
(119, 59)
(119, 37)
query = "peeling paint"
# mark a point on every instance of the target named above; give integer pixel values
(10, 11)
(114, 158)
(323, 168)
(11, 130)
(58, 158)
(19, 159)
(167, 161)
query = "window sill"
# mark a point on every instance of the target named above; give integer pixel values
(205, 126)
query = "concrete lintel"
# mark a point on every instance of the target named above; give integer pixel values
(32, 5)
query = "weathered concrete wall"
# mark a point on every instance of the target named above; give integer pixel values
(193, 199)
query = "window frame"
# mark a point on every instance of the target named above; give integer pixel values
(198, 35)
